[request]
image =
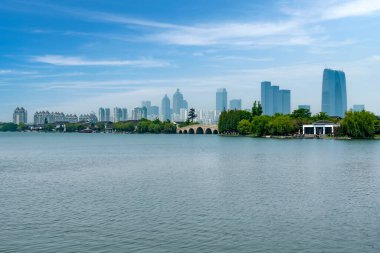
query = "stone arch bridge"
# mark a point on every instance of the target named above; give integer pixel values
(198, 129)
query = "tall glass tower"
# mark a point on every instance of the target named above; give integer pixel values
(334, 94)
(274, 100)
(165, 108)
(177, 102)
(221, 100)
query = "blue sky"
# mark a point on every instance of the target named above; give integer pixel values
(76, 56)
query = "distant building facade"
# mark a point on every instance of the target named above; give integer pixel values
(117, 114)
(274, 100)
(235, 104)
(20, 115)
(307, 107)
(358, 108)
(334, 94)
(177, 102)
(91, 118)
(102, 114)
(165, 108)
(124, 114)
(107, 114)
(139, 113)
(221, 100)
(43, 117)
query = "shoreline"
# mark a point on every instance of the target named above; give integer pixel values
(377, 137)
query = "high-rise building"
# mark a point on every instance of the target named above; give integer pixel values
(185, 105)
(154, 112)
(274, 100)
(177, 102)
(91, 118)
(221, 100)
(20, 115)
(43, 117)
(165, 108)
(117, 114)
(107, 114)
(334, 94)
(284, 102)
(124, 114)
(235, 104)
(147, 104)
(139, 113)
(267, 98)
(307, 107)
(358, 108)
(102, 114)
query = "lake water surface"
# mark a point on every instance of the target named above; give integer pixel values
(187, 193)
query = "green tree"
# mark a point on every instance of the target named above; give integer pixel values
(8, 127)
(22, 127)
(260, 125)
(191, 116)
(321, 116)
(301, 113)
(359, 124)
(143, 126)
(244, 127)
(169, 128)
(257, 109)
(282, 125)
(229, 120)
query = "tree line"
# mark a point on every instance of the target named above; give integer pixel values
(141, 126)
(362, 124)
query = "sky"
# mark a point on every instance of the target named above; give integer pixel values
(76, 56)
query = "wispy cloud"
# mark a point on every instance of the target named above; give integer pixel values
(15, 72)
(352, 8)
(61, 60)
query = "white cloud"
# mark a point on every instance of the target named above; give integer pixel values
(79, 61)
(351, 8)
(5, 71)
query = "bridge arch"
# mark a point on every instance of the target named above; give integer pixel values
(180, 131)
(200, 130)
(208, 131)
(185, 131)
(191, 131)
(215, 132)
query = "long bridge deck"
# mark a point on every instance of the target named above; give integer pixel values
(198, 129)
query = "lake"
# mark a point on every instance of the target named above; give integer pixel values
(187, 193)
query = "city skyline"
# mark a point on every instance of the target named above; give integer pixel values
(73, 57)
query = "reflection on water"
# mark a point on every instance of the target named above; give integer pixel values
(178, 193)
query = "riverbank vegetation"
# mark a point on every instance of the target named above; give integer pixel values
(354, 125)
(141, 126)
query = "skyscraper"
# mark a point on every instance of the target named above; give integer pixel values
(235, 104)
(165, 108)
(177, 102)
(284, 102)
(20, 115)
(124, 114)
(117, 114)
(221, 100)
(267, 98)
(139, 113)
(334, 94)
(107, 114)
(274, 100)
(102, 114)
